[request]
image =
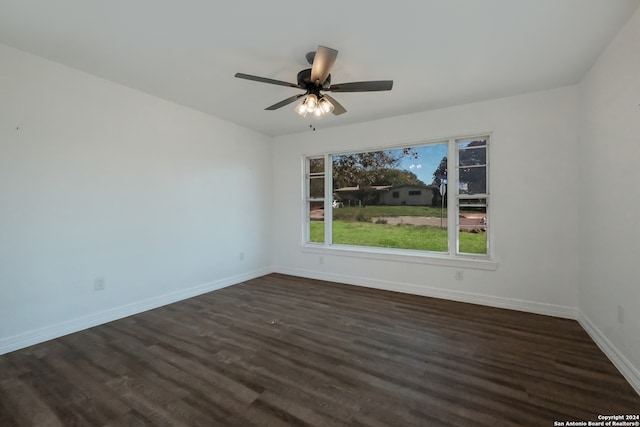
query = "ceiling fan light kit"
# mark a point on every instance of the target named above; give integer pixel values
(312, 105)
(316, 79)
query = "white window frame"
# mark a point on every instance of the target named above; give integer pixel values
(459, 196)
(451, 258)
(308, 175)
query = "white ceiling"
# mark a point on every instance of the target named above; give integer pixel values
(438, 52)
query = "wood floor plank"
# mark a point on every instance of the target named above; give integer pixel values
(26, 406)
(286, 351)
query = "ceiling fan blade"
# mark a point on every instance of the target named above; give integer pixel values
(372, 86)
(266, 80)
(323, 61)
(310, 57)
(337, 107)
(285, 102)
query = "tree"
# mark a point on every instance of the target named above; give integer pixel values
(361, 169)
(365, 170)
(471, 180)
(441, 172)
(440, 176)
(400, 177)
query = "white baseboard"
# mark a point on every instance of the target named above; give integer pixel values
(626, 368)
(562, 311)
(37, 336)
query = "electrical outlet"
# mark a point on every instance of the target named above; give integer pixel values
(99, 283)
(620, 314)
(321, 260)
(241, 256)
(459, 275)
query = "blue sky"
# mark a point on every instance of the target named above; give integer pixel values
(429, 157)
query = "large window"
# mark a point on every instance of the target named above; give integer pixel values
(431, 198)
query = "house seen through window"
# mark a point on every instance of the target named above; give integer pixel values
(398, 198)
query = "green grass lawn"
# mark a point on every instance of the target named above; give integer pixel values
(397, 236)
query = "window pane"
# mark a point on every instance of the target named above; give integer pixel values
(316, 165)
(316, 222)
(472, 241)
(472, 180)
(316, 210)
(316, 231)
(468, 205)
(391, 198)
(472, 156)
(472, 237)
(316, 187)
(465, 143)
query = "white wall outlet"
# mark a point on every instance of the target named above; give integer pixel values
(321, 260)
(99, 283)
(241, 256)
(459, 275)
(620, 314)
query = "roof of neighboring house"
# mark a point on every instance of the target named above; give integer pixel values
(414, 186)
(374, 187)
(386, 187)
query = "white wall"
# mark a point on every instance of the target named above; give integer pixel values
(98, 180)
(533, 202)
(609, 152)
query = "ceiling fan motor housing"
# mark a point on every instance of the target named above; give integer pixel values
(304, 80)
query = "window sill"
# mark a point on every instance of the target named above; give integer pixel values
(417, 257)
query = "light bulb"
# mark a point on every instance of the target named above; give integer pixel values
(311, 103)
(301, 109)
(325, 105)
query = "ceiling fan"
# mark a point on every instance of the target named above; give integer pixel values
(317, 79)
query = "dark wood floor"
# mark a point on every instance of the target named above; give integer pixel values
(281, 350)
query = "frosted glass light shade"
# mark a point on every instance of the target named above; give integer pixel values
(301, 109)
(325, 106)
(311, 102)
